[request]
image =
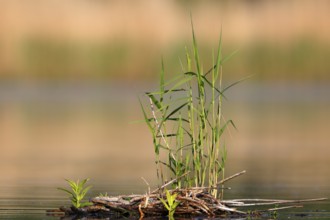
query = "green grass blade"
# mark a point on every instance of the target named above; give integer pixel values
(195, 47)
(84, 204)
(162, 82)
(177, 119)
(188, 59)
(176, 110)
(67, 191)
(155, 101)
(146, 119)
(223, 128)
(165, 204)
(167, 135)
(165, 91)
(235, 83)
(73, 185)
(205, 79)
(82, 183)
(228, 57)
(219, 55)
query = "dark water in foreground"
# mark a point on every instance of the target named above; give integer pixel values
(48, 133)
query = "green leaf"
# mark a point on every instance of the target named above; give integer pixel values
(162, 83)
(165, 91)
(219, 55)
(72, 184)
(156, 147)
(205, 79)
(188, 59)
(174, 88)
(165, 204)
(83, 193)
(195, 47)
(84, 204)
(176, 110)
(82, 183)
(175, 205)
(235, 83)
(65, 190)
(228, 57)
(177, 119)
(166, 135)
(169, 166)
(146, 119)
(154, 100)
(168, 197)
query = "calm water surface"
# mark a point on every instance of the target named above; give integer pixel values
(52, 132)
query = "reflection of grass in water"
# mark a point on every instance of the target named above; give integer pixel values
(45, 58)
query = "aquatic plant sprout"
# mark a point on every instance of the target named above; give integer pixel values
(78, 192)
(186, 121)
(170, 203)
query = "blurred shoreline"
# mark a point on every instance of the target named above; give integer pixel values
(106, 40)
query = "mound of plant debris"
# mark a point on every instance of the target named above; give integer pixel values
(189, 202)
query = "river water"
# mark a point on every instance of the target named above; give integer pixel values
(49, 132)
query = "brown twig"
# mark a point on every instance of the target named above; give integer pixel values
(146, 182)
(260, 202)
(231, 177)
(284, 207)
(168, 183)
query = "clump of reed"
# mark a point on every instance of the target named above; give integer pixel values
(186, 121)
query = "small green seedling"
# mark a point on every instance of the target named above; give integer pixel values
(274, 213)
(170, 203)
(78, 192)
(103, 194)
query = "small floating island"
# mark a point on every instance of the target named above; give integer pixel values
(186, 122)
(190, 202)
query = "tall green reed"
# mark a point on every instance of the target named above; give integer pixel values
(186, 121)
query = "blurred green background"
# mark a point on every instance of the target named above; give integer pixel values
(71, 71)
(110, 40)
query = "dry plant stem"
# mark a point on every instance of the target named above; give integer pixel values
(146, 182)
(284, 207)
(169, 183)
(260, 202)
(231, 177)
(159, 168)
(157, 123)
(209, 187)
(199, 188)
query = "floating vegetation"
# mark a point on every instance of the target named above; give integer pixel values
(187, 125)
(189, 202)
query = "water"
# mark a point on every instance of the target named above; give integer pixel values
(51, 132)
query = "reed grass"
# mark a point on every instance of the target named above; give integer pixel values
(186, 121)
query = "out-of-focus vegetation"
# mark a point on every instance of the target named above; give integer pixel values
(70, 72)
(105, 40)
(302, 60)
